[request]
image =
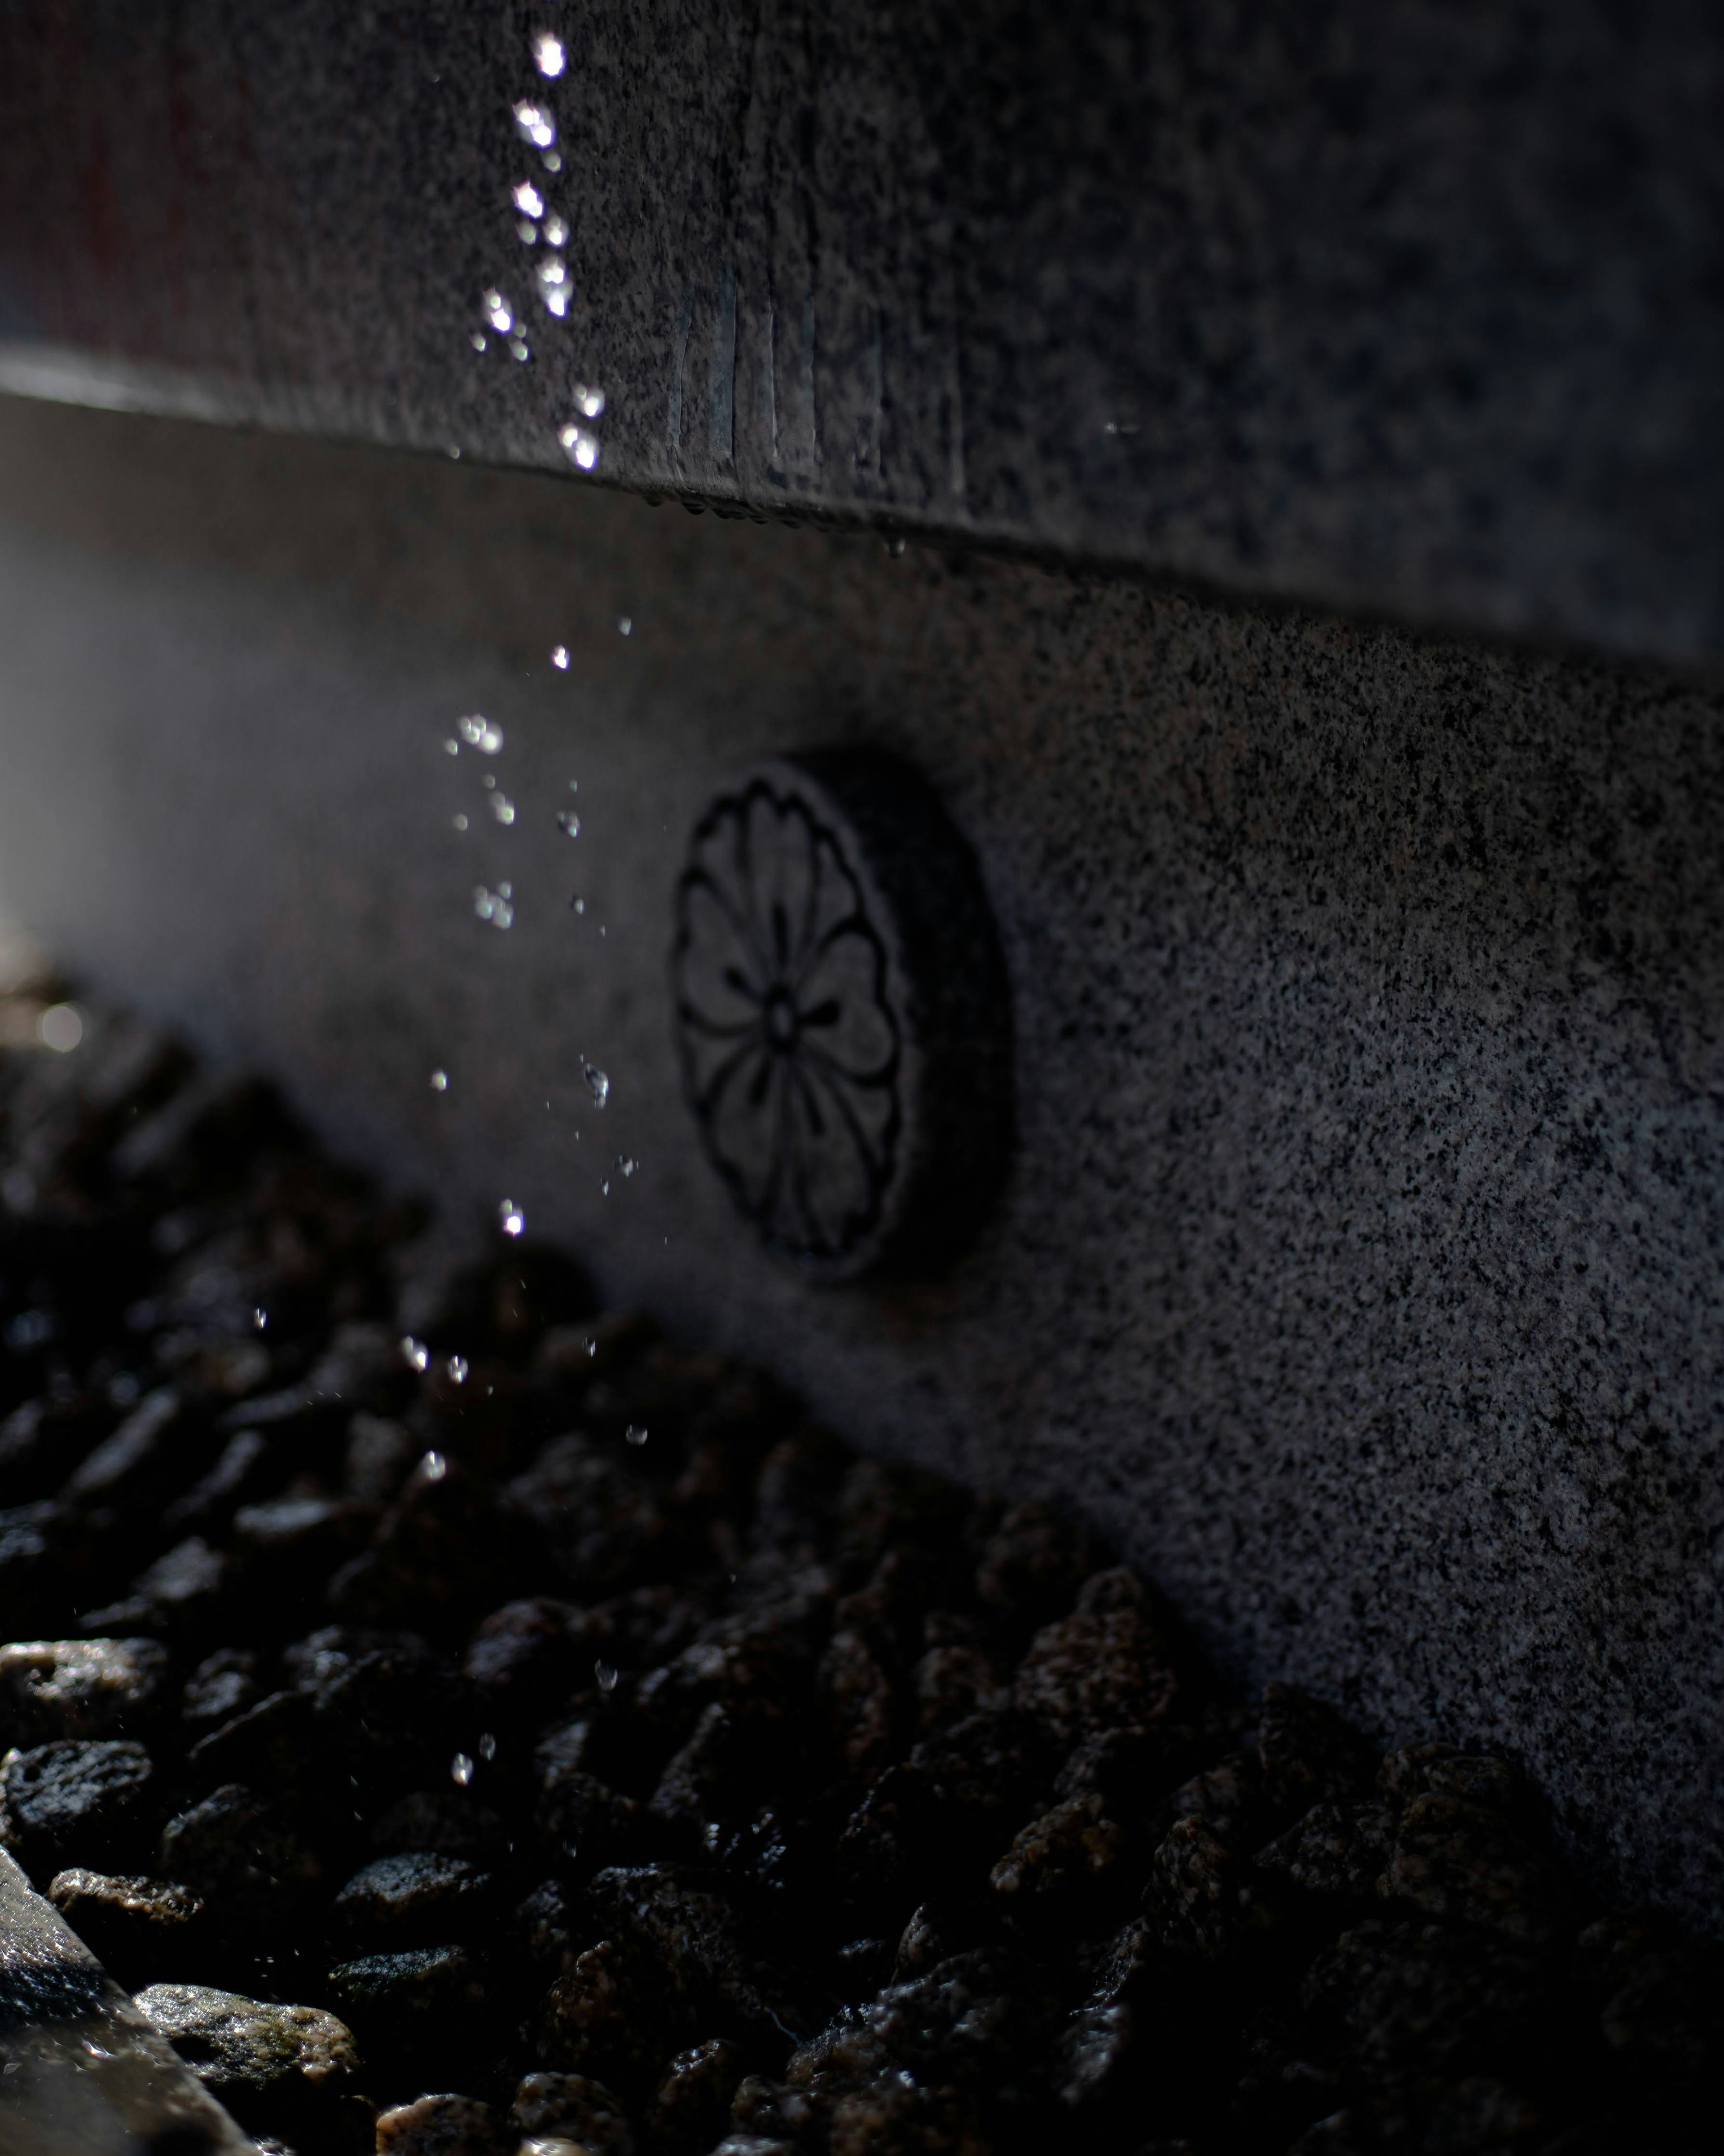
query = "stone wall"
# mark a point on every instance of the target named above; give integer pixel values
(1358, 1266)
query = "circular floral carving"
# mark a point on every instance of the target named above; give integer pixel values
(792, 1050)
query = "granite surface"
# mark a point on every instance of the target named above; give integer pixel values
(1359, 1267)
(1393, 305)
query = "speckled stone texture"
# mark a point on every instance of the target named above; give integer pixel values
(1399, 304)
(1358, 1271)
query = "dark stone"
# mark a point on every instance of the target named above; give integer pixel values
(571, 2107)
(1103, 1665)
(242, 1852)
(413, 2002)
(692, 2102)
(441, 2126)
(223, 1684)
(74, 1802)
(414, 1899)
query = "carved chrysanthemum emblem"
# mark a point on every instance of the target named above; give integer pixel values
(791, 1047)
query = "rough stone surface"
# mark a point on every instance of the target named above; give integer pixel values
(271, 2066)
(1399, 305)
(1357, 1273)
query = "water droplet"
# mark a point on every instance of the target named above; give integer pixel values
(481, 732)
(535, 124)
(592, 1348)
(567, 820)
(489, 781)
(589, 400)
(60, 1028)
(560, 657)
(597, 1083)
(487, 1747)
(478, 339)
(625, 625)
(636, 1436)
(604, 1186)
(498, 312)
(556, 231)
(528, 230)
(433, 1467)
(502, 808)
(606, 1676)
(260, 1321)
(513, 1220)
(458, 821)
(552, 271)
(547, 53)
(556, 300)
(414, 1352)
(579, 445)
(626, 1164)
(551, 160)
(527, 198)
(439, 1081)
(577, 904)
(505, 891)
(461, 1767)
(457, 1368)
(519, 349)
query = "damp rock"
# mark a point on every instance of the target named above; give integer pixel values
(1338, 1850)
(526, 1656)
(135, 1464)
(75, 1802)
(441, 2126)
(223, 1686)
(134, 1925)
(449, 1822)
(243, 1854)
(689, 2109)
(410, 2003)
(1065, 1856)
(1208, 1900)
(246, 1465)
(416, 1897)
(66, 1689)
(1307, 1754)
(599, 1526)
(861, 1703)
(573, 2108)
(959, 1675)
(1102, 1666)
(1032, 1565)
(1469, 1861)
(277, 2068)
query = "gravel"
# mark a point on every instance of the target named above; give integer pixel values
(454, 1772)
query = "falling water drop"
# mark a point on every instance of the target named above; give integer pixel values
(535, 124)
(513, 1220)
(568, 821)
(580, 446)
(260, 1321)
(502, 808)
(414, 1352)
(458, 821)
(636, 1436)
(577, 904)
(560, 657)
(457, 1368)
(433, 1467)
(597, 1083)
(452, 747)
(625, 625)
(547, 53)
(626, 1165)
(487, 1747)
(556, 231)
(551, 160)
(527, 198)
(478, 339)
(528, 230)
(589, 400)
(461, 1767)
(498, 312)
(519, 349)
(481, 732)
(605, 1674)
(439, 1081)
